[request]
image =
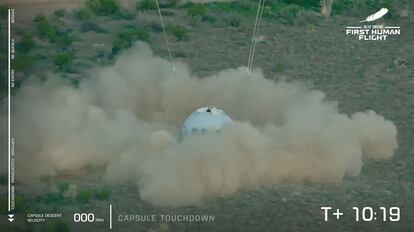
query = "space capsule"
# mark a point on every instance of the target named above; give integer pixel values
(204, 120)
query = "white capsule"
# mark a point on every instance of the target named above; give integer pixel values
(205, 119)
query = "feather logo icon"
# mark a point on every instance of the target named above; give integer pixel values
(377, 15)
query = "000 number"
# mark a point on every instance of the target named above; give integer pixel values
(83, 217)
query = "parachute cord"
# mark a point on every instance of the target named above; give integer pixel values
(253, 36)
(165, 36)
(257, 32)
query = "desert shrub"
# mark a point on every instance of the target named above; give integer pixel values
(244, 7)
(178, 31)
(102, 194)
(3, 62)
(341, 6)
(197, 10)
(279, 67)
(51, 199)
(375, 4)
(305, 4)
(59, 13)
(3, 180)
(288, 13)
(247, 5)
(83, 14)
(208, 18)
(146, 5)
(56, 34)
(63, 186)
(306, 17)
(103, 7)
(23, 62)
(169, 3)
(61, 226)
(3, 68)
(179, 54)
(233, 21)
(118, 44)
(43, 27)
(167, 13)
(20, 203)
(57, 226)
(4, 11)
(136, 33)
(3, 205)
(361, 7)
(85, 195)
(155, 27)
(3, 84)
(26, 44)
(125, 40)
(63, 39)
(63, 59)
(127, 15)
(91, 26)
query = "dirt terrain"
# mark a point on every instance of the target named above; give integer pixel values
(359, 75)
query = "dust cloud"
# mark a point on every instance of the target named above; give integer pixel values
(124, 119)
